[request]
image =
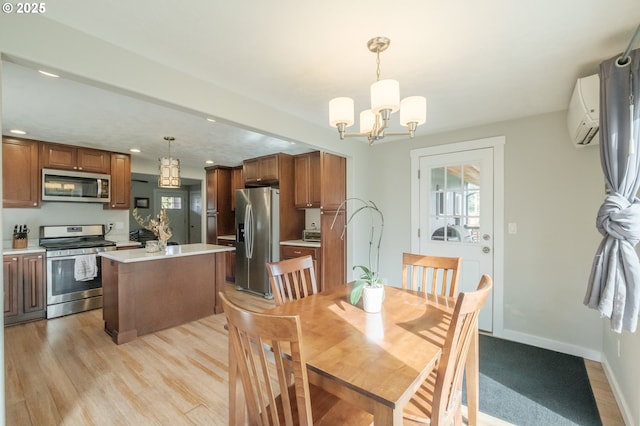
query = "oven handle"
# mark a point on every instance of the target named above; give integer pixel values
(69, 257)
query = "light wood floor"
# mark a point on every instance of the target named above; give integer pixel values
(67, 371)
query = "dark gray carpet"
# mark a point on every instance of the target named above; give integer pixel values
(526, 385)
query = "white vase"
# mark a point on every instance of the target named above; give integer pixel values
(372, 299)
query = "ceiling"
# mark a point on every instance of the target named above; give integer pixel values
(475, 62)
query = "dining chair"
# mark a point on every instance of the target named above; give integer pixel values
(262, 345)
(292, 279)
(431, 274)
(439, 399)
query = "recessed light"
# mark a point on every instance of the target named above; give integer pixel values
(211, 120)
(48, 74)
(18, 132)
(209, 162)
(134, 150)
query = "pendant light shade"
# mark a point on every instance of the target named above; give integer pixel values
(169, 176)
(341, 111)
(413, 110)
(385, 94)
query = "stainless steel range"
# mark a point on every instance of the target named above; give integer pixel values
(74, 279)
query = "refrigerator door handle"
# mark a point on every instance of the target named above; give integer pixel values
(248, 231)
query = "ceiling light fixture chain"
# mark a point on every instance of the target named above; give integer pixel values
(385, 100)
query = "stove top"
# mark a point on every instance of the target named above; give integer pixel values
(73, 237)
(69, 243)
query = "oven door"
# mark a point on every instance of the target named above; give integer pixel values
(62, 285)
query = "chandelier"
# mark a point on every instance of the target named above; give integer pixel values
(169, 169)
(385, 99)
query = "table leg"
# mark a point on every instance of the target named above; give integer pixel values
(384, 415)
(473, 379)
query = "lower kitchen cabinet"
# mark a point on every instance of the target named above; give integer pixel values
(24, 287)
(230, 260)
(291, 252)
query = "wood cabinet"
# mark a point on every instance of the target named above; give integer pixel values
(120, 182)
(220, 217)
(277, 170)
(68, 157)
(320, 180)
(333, 181)
(20, 173)
(262, 171)
(334, 250)
(291, 252)
(237, 182)
(230, 259)
(24, 287)
(308, 180)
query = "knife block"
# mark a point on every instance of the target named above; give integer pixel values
(20, 240)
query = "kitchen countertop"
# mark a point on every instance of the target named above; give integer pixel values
(300, 243)
(27, 250)
(227, 237)
(141, 255)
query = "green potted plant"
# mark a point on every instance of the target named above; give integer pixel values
(368, 286)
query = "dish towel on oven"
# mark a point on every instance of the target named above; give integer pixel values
(85, 268)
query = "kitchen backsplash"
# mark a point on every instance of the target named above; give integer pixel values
(53, 213)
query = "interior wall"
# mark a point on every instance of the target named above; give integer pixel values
(623, 370)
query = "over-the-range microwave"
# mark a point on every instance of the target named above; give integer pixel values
(67, 185)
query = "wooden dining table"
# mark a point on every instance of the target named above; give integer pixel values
(375, 361)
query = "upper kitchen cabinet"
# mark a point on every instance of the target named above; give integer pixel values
(333, 181)
(237, 182)
(263, 171)
(220, 217)
(320, 180)
(120, 182)
(20, 173)
(308, 180)
(67, 157)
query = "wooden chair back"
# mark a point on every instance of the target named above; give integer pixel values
(259, 342)
(292, 279)
(431, 274)
(447, 396)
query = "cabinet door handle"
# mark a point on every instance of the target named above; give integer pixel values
(297, 252)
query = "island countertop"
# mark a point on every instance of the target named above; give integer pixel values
(141, 255)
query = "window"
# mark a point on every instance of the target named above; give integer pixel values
(171, 203)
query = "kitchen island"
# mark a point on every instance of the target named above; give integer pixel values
(146, 292)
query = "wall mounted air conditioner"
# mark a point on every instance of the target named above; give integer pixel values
(584, 111)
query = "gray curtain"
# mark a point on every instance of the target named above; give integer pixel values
(614, 283)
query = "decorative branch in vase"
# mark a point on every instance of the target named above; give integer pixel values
(369, 278)
(159, 226)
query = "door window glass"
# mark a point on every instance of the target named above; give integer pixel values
(455, 203)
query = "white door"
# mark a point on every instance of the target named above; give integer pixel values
(456, 215)
(174, 201)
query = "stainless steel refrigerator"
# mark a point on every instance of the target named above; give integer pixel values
(257, 237)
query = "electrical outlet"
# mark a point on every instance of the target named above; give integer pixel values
(108, 226)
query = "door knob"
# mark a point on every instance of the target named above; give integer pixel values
(486, 237)
(486, 249)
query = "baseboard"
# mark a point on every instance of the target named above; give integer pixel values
(552, 345)
(617, 393)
